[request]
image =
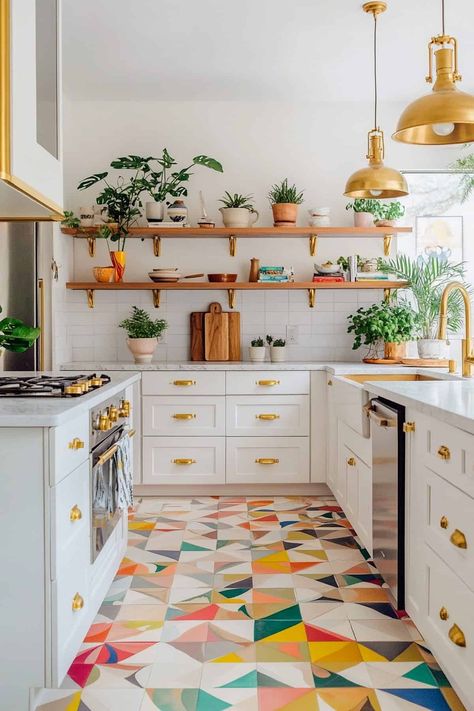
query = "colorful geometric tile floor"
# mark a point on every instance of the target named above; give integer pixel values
(249, 604)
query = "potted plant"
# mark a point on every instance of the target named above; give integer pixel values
(15, 336)
(427, 278)
(70, 220)
(143, 333)
(284, 200)
(389, 213)
(277, 349)
(238, 211)
(382, 324)
(365, 211)
(257, 350)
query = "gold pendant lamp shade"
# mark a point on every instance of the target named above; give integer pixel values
(446, 116)
(376, 180)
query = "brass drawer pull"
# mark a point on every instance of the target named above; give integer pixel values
(351, 462)
(183, 383)
(183, 416)
(267, 417)
(183, 461)
(444, 453)
(456, 635)
(75, 513)
(444, 614)
(77, 602)
(76, 443)
(458, 539)
(443, 522)
(267, 460)
(267, 383)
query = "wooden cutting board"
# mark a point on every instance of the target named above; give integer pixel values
(197, 351)
(234, 335)
(216, 333)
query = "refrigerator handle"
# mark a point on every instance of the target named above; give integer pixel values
(41, 324)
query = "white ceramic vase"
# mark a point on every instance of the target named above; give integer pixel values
(142, 348)
(278, 354)
(257, 354)
(238, 216)
(430, 348)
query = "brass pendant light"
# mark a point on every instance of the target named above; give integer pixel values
(446, 116)
(376, 180)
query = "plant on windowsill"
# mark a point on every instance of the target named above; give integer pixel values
(15, 336)
(284, 200)
(387, 325)
(238, 210)
(257, 350)
(143, 333)
(277, 349)
(365, 211)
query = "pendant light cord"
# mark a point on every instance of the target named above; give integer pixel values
(375, 72)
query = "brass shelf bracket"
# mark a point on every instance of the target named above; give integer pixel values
(313, 244)
(231, 297)
(156, 298)
(91, 246)
(386, 295)
(157, 245)
(311, 298)
(387, 244)
(232, 245)
(90, 298)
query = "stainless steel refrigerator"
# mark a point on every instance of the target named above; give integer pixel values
(19, 287)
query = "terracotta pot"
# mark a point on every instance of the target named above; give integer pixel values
(284, 214)
(119, 259)
(103, 275)
(363, 219)
(386, 223)
(395, 351)
(142, 348)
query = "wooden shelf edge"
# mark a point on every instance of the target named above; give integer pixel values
(237, 286)
(345, 231)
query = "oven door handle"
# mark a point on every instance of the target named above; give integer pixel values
(380, 420)
(109, 453)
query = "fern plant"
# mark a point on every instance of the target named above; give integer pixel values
(284, 193)
(427, 280)
(466, 184)
(140, 325)
(237, 200)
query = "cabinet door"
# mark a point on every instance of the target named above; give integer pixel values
(267, 460)
(183, 460)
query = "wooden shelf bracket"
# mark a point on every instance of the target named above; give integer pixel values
(387, 244)
(90, 298)
(91, 246)
(157, 245)
(156, 298)
(313, 244)
(311, 298)
(231, 297)
(232, 245)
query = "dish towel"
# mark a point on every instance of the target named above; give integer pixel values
(124, 480)
(102, 499)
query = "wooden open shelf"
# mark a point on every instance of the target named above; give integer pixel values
(312, 233)
(231, 287)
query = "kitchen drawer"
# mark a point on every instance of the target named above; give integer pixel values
(182, 382)
(203, 460)
(273, 415)
(69, 447)
(70, 514)
(267, 382)
(177, 416)
(70, 621)
(284, 460)
(447, 597)
(450, 524)
(446, 450)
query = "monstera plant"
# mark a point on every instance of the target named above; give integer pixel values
(15, 335)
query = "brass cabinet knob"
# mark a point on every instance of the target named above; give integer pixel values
(183, 416)
(329, 382)
(267, 460)
(267, 383)
(408, 427)
(183, 461)
(444, 452)
(183, 383)
(458, 539)
(443, 522)
(456, 635)
(113, 413)
(75, 513)
(351, 462)
(77, 602)
(76, 443)
(267, 417)
(443, 613)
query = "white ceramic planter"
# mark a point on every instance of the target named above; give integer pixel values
(430, 348)
(257, 354)
(363, 219)
(142, 348)
(278, 354)
(154, 212)
(238, 216)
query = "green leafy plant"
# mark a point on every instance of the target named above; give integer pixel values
(276, 343)
(364, 205)
(15, 336)
(344, 262)
(465, 163)
(387, 323)
(427, 280)
(237, 200)
(149, 175)
(257, 342)
(390, 210)
(70, 220)
(284, 193)
(140, 325)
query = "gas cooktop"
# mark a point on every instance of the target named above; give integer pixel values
(50, 385)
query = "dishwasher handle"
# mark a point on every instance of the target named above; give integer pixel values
(381, 420)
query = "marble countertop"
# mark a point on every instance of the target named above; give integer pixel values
(50, 412)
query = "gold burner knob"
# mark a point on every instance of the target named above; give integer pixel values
(104, 423)
(113, 413)
(74, 389)
(75, 514)
(77, 602)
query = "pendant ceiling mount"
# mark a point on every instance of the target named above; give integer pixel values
(376, 180)
(446, 116)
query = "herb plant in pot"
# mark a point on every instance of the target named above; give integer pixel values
(390, 325)
(365, 211)
(389, 213)
(427, 278)
(238, 210)
(257, 350)
(143, 333)
(277, 349)
(284, 200)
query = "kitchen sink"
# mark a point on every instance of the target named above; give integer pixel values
(409, 377)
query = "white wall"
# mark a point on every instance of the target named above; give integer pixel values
(316, 145)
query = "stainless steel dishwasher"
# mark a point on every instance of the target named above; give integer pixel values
(388, 492)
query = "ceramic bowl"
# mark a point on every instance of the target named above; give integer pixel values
(222, 277)
(327, 268)
(103, 274)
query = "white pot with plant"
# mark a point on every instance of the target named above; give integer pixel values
(389, 213)
(427, 280)
(365, 211)
(284, 200)
(277, 349)
(257, 350)
(143, 333)
(238, 210)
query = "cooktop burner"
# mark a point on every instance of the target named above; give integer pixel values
(50, 385)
